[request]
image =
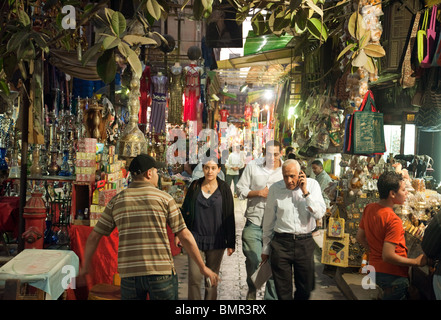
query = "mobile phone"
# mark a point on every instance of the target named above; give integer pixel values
(298, 181)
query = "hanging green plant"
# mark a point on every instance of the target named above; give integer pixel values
(364, 53)
(116, 38)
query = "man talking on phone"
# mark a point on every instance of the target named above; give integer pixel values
(292, 207)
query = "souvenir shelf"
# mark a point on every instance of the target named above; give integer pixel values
(351, 209)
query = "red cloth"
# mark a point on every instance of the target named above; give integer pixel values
(145, 98)
(105, 260)
(9, 215)
(382, 224)
(224, 115)
(191, 92)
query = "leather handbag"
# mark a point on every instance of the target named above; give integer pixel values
(422, 38)
(430, 40)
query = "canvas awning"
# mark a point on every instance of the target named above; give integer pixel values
(279, 56)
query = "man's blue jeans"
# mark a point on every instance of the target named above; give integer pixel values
(252, 249)
(159, 287)
(393, 287)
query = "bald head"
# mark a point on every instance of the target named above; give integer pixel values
(290, 170)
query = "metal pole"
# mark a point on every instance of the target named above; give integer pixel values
(24, 156)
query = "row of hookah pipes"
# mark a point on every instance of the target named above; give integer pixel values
(62, 131)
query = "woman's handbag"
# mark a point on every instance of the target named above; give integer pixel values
(430, 40)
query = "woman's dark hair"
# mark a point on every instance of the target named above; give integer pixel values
(388, 181)
(214, 159)
(210, 157)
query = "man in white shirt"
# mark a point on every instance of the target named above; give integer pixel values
(233, 165)
(254, 184)
(293, 206)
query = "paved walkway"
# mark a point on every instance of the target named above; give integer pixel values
(233, 284)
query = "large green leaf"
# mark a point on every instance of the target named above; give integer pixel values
(92, 52)
(360, 60)
(374, 50)
(154, 9)
(369, 65)
(198, 9)
(15, 40)
(278, 21)
(134, 62)
(317, 29)
(132, 58)
(314, 7)
(26, 50)
(118, 23)
(23, 17)
(301, 18)
(135, 39)
(4, 86)
(106, 66)
(346, 49)
(258, 24)
(294, 4)
(110, 42)
(357, 26)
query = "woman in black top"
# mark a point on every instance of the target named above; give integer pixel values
(208, 211)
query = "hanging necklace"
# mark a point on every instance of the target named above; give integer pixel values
(208, 188)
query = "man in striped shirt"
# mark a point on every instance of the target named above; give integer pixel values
(141, 214)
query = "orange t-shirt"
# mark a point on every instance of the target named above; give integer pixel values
(382, 224)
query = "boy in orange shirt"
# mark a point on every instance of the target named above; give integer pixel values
(381, 232)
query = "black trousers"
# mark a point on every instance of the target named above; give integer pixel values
(292, 256)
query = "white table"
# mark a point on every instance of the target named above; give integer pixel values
(52, 271)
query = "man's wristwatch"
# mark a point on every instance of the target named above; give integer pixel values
(306, 194)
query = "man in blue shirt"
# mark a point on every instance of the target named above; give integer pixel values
(292, 208)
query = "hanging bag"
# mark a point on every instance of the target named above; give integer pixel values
(422, 38)
(336, 226)
(335, 251)
(430, 40)
(407, 80)
(366, 129)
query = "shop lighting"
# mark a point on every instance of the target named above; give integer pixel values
(292, 111)
(243, 88)
(269, 94)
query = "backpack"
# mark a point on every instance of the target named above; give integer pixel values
(431, 243)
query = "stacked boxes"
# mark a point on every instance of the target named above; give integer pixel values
(113, 170)
(86, 160)
(95, 213)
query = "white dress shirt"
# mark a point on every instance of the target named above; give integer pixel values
(287, 211)
(234, 160)
(256, 177)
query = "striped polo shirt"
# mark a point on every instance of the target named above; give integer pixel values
(141, 214)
